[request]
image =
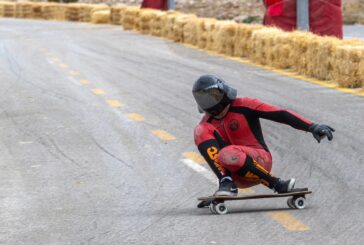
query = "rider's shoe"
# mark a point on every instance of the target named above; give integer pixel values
(284, 186)
(226, 187)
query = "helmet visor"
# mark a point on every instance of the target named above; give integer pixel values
(208, 97)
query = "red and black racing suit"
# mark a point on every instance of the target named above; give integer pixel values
(236, 141)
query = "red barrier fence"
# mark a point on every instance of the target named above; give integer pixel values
(155, 4)
(325, 16)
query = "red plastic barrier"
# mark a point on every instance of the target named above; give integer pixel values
(325, 16)
(155, 4)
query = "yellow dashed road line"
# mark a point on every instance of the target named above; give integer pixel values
(114, 103)
(196, 157)
(84, 81)
(63, 65)
(163, 135)
(98, 91)
(288, 221)
(136, 117)
(73, 73)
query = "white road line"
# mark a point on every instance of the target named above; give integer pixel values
(200, 169)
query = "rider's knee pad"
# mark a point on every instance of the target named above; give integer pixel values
(232, 157)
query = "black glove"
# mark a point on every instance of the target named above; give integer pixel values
(319, 131)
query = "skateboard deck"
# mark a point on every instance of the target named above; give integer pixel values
(297, 200)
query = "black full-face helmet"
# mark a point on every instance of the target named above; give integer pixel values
(212, 94)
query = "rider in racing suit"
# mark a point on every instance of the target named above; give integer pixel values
(230, 138)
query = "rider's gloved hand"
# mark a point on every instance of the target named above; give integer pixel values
(319, 131)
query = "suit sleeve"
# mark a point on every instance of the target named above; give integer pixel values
(274, 113)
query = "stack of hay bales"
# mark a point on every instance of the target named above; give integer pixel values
(262, 45)
(24, 10)
(168, 24)
(318, 54)
(7, 9)
(130, 20)
(73, 12)
(243, 39)
(299, 43)
(88, 10)
(157, 23)
(37, 10)
(100, 15)
(115, 12)
(205, 31)
(346, 63)
(52, 11)
(179, 24)
(225, 33)
(147, 16)
(190, 31)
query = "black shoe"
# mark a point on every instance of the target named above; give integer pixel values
(284, 186)
(227, 187)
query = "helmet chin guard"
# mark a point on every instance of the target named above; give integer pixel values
(212, 94)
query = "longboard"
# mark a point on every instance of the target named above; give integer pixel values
(216, 204)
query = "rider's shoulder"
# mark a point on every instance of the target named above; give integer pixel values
(243, 102)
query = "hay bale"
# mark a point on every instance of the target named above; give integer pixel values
(262, 49)
(131, 18)
(243, 42)
(87, 10)
(168, 24)
(100, 17)
(346, 66)
(7, 9)
(225, 33)
(319, 53)
(190, 31)
(24, 10)
(115, 12)
(205, 31)
(73, 11)
(146, 19)
(157, 23)
(37, 10)
(178, 28)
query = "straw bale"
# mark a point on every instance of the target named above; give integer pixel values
(319, 53)
(24, 10)
(100, 17)
(7, 9)
(157, 23)
(225, 33)
(131, 18)
(361, 72)
(190, 31)
(73, 11)
(168, 24)
(346, 66)
(178, 28)
(205, 31)
(87, 10)
(37, 10)
(299, 43)
(116, 14)
(263, 45)
(243, 42)
(147, 17)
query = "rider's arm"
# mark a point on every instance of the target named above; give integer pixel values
(274, 113)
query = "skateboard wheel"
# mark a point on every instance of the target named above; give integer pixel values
(220, 208)
(299, 202)
(212, 208)
(290, 203)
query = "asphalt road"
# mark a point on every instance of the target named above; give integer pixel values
(82, 160)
